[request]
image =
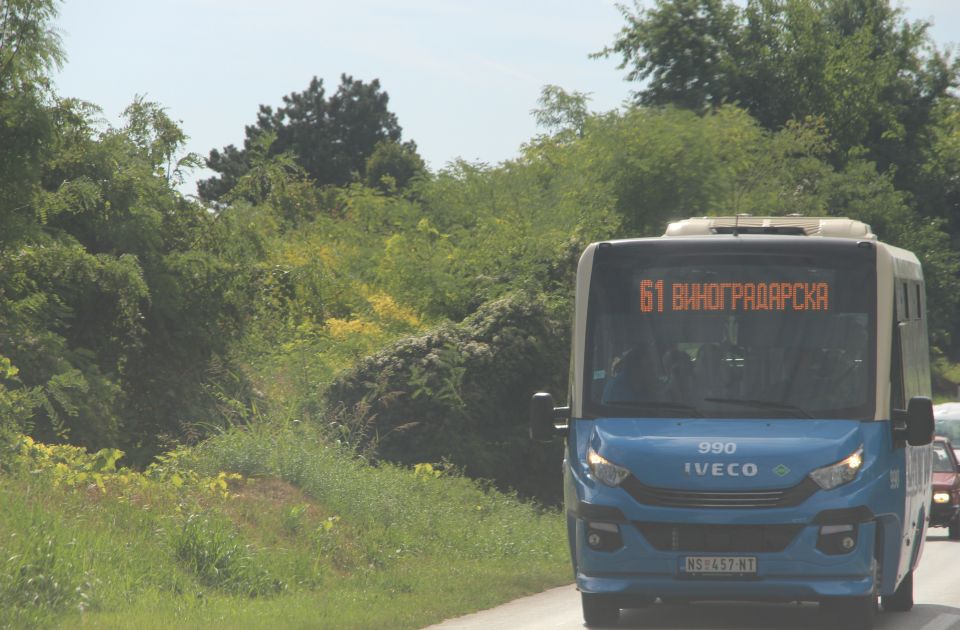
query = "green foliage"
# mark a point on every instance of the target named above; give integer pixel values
(339, 304)
(17, 404)
(392, 166)
(331, 138)
(25, 131)
(115, 317)
(73, 467)
(560, 111)
(159, 139)
(872, 75)
(72, 313)
(667, 164)
(211, 550)
(936, 188)
(171, 548)
(481, 233)
(293, 519)
(401, 513)
(42, 573)
(471, 235)
(873, 81)
(29, 45)
(461, 392)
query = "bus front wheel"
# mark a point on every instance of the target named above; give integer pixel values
(902, 598)
(852, 613)
(599, 610)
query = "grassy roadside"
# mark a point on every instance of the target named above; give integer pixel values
(262, 527)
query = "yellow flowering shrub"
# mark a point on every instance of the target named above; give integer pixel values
(74, 467)
(340, 329)
(390, 312)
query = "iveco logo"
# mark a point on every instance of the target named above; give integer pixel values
(717, 469)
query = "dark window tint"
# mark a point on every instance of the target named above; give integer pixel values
(730, 334)
(941, 458)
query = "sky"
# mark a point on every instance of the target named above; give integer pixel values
(462, 76)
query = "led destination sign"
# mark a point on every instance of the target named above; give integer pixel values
(655, 296)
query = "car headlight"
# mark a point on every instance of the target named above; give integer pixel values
(941, 497)
(842, 472)
(606, 471)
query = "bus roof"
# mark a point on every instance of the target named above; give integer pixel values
(837, 227)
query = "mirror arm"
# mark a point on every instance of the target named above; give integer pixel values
(898, 418)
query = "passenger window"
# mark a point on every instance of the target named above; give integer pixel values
(897, 397)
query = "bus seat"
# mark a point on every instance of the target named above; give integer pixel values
(678, 369)
(709, 372)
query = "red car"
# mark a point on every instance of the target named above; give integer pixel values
(945, 511)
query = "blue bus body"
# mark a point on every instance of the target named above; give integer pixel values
(777, 445)
(784, 540)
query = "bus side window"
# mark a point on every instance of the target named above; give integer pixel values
(906, 302)
(914, 307)
(897, 399)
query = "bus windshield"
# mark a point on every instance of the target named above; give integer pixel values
(742, 333)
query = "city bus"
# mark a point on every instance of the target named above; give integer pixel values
(748, 418)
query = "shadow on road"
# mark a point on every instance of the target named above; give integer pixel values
(936, 537)
(758, 616)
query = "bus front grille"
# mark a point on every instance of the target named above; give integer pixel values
(668, 497)
(718, 538)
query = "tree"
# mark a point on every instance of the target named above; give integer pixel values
(562, 111)
(392, 166)
(112, 320)
(157, 335)
(329, 138)
(29, 47)
(874, 78)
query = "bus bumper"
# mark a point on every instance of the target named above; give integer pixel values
(800, 572)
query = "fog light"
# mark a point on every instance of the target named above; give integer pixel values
(837, 539)
(941, 497)
(828, 530)
(604, 536)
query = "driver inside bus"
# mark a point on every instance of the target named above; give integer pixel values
(635, 379)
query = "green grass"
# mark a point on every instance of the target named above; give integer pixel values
(946, 380)
(411, 596)
(311, 537)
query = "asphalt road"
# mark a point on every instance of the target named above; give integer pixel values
(936, 593)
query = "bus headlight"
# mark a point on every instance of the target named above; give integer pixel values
(842, 472)
(941, 497)
(605, 471)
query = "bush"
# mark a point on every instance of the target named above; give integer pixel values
(461, 392)
(212, 550)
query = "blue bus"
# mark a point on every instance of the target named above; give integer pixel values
(749, 418)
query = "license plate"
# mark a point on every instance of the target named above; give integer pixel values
(718, 565)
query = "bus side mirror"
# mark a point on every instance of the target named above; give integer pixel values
(920, 424)
(543, 415)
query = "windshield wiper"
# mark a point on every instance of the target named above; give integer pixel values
(762, 404)
(655, 404)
